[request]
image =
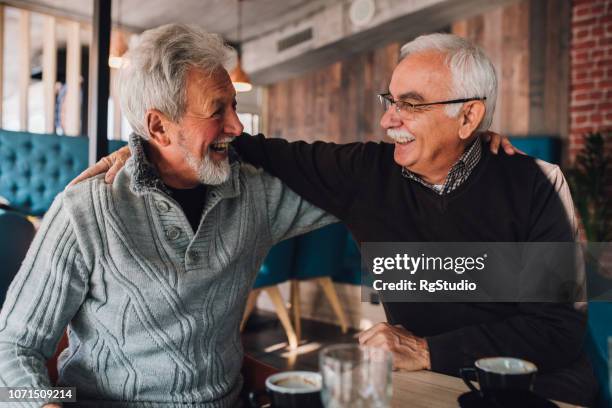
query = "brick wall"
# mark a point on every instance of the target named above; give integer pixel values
(591, 71)
(591, 81)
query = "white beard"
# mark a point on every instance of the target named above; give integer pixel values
(209, 171)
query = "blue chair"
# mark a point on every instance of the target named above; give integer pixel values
(16, 234)
(547, 148)
(275, 270)
(319, 256)
(34, 168)
(350, 272)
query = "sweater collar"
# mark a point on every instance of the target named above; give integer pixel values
(145, 177)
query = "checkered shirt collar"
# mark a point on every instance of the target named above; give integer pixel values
(458, 174)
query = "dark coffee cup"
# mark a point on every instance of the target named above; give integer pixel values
(500, 374)
(293, 389)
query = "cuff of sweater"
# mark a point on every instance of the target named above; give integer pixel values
(445, 354)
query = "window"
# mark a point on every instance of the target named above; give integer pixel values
(250, 121)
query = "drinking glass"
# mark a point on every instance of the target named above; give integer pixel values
(355, 376)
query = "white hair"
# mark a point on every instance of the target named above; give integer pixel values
(153, 76)
(472, 72)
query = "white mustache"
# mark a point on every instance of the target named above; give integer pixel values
(400, 135)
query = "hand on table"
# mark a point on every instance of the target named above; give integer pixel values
(110, 165)
(410, 353)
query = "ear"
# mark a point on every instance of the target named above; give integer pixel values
(157, 127)
(470, 116)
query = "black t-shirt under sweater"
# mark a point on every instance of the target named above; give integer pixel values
(505, 199)
(192, 202)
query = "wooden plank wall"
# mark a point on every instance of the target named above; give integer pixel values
(526, 40)
(528, 44)
(556, 35)
(504, 35)
(337, 103)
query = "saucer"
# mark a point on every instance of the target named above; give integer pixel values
(509, 399)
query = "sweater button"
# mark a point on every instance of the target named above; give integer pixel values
(162, 206)
(173, 233)
(193, 256)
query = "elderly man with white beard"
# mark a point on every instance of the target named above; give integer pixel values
(150, 275)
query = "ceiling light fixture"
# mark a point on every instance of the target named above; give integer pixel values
(118, 45)
(239, 78)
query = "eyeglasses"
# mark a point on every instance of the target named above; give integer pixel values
(386, 100)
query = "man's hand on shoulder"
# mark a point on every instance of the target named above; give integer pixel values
(110, 165)
(410, 353)
(496, 140)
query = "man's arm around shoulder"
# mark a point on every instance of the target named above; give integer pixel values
(326, 174)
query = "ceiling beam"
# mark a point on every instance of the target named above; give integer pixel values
(304, 10)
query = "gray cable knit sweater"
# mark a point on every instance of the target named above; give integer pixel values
(152, 309)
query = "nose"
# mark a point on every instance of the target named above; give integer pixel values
(232, 125)
(390, 119)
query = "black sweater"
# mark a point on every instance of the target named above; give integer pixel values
(505, 199)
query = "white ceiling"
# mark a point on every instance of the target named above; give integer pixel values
(219, 16)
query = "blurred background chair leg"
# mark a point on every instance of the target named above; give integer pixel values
(250, 305)
(295, 308)
(330, 292)
(283, 316)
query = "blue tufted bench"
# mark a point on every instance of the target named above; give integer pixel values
(547, 148)
(34, 168)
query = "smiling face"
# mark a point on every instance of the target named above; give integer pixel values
(427, 140)
(195, 149)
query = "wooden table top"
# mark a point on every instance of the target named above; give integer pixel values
(425, 389)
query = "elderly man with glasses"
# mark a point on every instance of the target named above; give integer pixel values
(439, 182)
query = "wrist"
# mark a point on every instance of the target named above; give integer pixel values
(425, 354)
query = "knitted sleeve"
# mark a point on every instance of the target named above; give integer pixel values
(288, 213)
(42, 299)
